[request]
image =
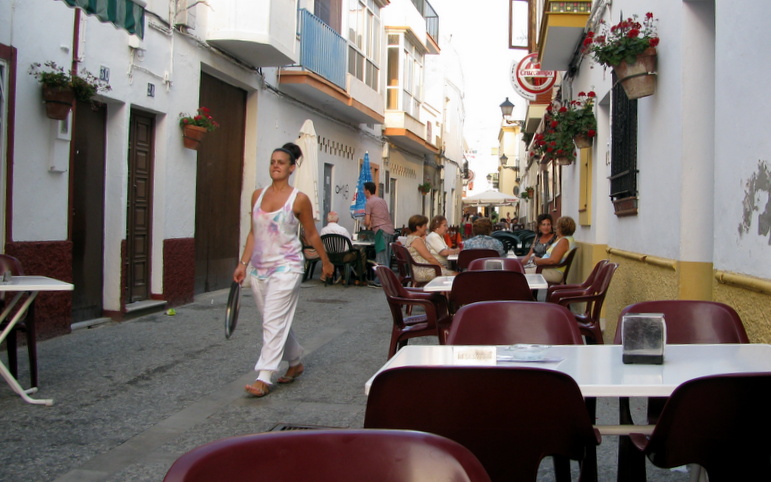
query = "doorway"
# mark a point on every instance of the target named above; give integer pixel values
(87, 210)
(219, 182)
(140, 203)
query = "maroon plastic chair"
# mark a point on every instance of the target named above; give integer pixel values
(25, 325)
(719, 422)
(566, 263)
(512, 322)
(509, 417)
(687, 322)
(340, 455)
(593, 299)
(472, 286)
(434, 321)
(582, 286)
(505, 264)
(405, 262)
(466, 256)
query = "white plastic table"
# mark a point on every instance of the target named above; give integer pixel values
(535, 281)
(20, 285)
(599, 371)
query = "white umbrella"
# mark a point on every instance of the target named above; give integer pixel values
(491, 197)
(307, 172)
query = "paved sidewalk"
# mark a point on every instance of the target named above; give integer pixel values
(130, 397)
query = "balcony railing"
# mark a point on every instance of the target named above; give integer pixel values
(322, 50)
(432, 19)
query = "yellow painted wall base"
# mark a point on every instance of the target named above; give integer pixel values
(695, 280)
(642, 277)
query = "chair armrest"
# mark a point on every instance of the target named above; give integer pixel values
(569, 300)
(557, 295)
(553, 288)
(436, 268)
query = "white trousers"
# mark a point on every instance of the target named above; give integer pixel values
(276, 299)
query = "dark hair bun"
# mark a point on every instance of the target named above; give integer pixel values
(294, 149)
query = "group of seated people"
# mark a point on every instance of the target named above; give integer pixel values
(427, 244)
(432, 242)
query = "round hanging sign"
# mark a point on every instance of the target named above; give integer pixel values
(528, 79)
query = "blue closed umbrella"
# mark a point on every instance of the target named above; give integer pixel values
(359, 200)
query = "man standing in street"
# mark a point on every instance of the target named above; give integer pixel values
(378, 219)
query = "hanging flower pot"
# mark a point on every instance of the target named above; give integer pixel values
(639, 78)
(582, 141)
(192, 136)
(195, 127)
(58, 101)
(564, 161)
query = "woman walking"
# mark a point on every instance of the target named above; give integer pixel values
(274, 250)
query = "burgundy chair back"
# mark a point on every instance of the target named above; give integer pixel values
(509, 417)
(719, 422)
(505, 264)
(467, 255)
(25, 325)
(432, 321)
(692, 321)
(341, 455)
(512, 322)
(472, 286)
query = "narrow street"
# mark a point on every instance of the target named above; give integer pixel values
(130, 397)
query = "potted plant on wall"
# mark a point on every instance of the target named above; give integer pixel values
(61, 88)
(424, 188)
(579, 118)
(195, 127)
(629, 47)
(555, 142)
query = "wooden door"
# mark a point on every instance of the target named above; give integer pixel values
(140, 189)
(219, 183)
(87, 211)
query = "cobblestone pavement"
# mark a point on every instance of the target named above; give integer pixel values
(130, 397)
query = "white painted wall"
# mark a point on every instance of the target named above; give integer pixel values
(702, 138)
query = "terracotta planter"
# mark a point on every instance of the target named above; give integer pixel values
(639, 78)
(192, 136)
(564, 161)
(582, 141)
(58, 101)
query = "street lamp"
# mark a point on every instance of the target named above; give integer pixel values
(504, 158)
(506, 109)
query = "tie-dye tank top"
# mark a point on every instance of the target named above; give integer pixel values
(277, 246)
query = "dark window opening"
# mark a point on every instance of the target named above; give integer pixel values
(623, 154)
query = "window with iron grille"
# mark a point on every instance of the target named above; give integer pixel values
(623, 152)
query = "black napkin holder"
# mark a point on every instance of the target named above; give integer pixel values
(643, 336)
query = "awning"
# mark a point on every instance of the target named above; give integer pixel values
(125, 14)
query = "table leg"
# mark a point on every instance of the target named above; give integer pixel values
(22, 393)
(12, 382)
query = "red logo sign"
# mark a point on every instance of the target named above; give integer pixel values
(528, 79)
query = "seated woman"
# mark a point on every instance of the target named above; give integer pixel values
(558, 250)
(545, 238)
(436, 241)
(482, 228)
(416, 245)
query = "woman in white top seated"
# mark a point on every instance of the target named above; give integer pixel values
(559, 250)
(435, 241)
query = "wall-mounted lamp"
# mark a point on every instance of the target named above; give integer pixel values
(504, 158)
(506, 109)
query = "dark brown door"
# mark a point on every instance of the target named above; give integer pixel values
(218, 186)
(140, 188)
(87, 216)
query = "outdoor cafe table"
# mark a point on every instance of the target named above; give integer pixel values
(20, 285)
(535, 281)
(454, 257)
(599, 371)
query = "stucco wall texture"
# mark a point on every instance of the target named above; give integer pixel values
(636, 281)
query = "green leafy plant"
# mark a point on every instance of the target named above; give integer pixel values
(578, 115)
(202, 119)
(556, 139)
(425, 188)
(85, 85)
(623, 41)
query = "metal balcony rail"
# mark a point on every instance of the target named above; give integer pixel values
(322, 50)
(432, 18)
